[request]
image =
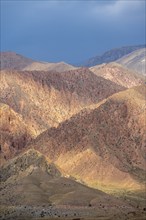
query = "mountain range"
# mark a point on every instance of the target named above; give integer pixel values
(73, 138)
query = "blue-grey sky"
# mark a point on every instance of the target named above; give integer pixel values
(70, 31)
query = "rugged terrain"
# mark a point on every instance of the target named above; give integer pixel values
(104, 146)
(136, 61)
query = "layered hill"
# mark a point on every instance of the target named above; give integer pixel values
(135, 61)
(32, 182)
(13, 61)
(111, 55)
(104, 146)
(118, 74)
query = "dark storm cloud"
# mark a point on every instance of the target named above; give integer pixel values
(70, 30)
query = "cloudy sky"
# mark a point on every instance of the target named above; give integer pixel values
(70, 31)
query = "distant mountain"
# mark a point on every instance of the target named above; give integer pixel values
(111, 55)
(135, 61)
(13, 61)
(118, 74)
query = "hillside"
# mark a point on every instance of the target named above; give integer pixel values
(135, 61)
(33, 186)
(13, 61)
(111, 55)
(103, 146)
(118, 74)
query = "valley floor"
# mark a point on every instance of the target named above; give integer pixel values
(70, 213)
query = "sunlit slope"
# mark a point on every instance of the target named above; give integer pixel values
(102, 146)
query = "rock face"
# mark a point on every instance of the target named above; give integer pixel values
(118, 74)
(14, 133)
(102, 146)
(111, 55)
(13, 61)
(135, 61)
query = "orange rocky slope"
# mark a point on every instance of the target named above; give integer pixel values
(103, 146)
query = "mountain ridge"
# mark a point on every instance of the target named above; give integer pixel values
(110, 55)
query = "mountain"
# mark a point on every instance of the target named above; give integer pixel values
(111, 55)
(118, 74)
(135, 61)
(104, 146)
(31, 186)
(13, 61)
